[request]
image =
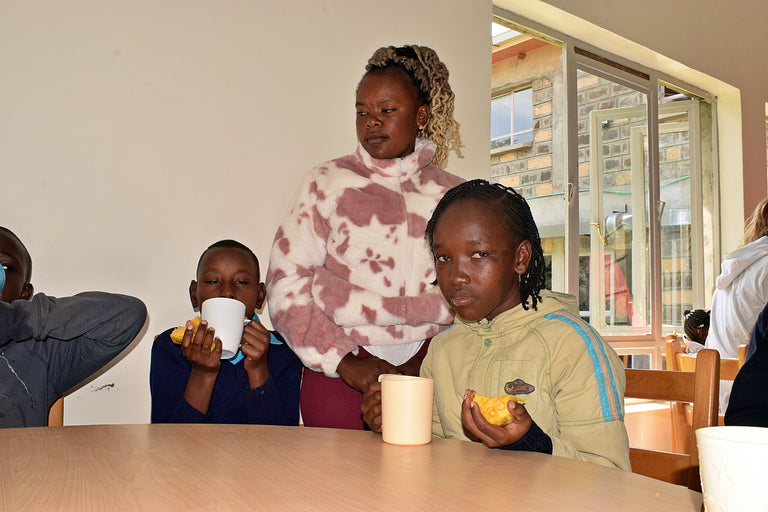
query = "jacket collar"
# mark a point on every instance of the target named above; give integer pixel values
(400, 167)
(518, 317)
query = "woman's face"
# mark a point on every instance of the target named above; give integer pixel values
(389, 114)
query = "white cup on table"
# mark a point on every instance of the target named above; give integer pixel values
(227, 317)
(733, 462)
(406, 409)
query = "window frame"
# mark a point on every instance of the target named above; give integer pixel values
(511, 90)
(576, 55)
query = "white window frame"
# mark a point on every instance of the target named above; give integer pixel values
(638, 77)
(511, 91)
(691, 110)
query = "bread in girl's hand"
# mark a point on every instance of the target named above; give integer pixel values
(178, 333)
(494, 410)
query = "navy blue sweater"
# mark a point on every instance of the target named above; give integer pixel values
(276, 402)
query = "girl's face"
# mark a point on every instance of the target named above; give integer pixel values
(389, 114)
(478, 264)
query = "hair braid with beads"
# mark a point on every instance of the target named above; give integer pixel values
(516, 215)
(694, 320)
(430, 76)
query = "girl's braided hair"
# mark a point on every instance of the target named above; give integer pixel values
(430, 76)
(516, 215)
(694, 320)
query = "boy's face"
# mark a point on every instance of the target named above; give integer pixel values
(478, 265)
(13, 259)
(389, 114)
(228, 272)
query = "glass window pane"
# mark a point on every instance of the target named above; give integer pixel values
(523, 113)
(522, 137)
(613, 185)
(501, 115)
(687, 229)
(675, 193)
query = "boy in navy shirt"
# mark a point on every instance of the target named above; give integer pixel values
(190, 383)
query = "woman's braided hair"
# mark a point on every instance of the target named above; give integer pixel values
(430, 76)
(516, 215)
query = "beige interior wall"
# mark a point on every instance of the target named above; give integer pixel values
(136, 132)
(707, 43)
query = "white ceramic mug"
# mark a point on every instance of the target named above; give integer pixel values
(227, 317)
(733, 462)
(406, 409)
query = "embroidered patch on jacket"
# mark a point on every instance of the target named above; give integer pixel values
(518, 387)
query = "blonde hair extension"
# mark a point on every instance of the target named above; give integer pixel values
(431, 77)
(757, 223)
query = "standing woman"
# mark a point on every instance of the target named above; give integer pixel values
(350, 281)
(741, 290)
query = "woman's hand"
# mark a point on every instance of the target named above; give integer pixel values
(371, 407)
(494, 436)
(411, 366)
(362, 373)
(255, 347)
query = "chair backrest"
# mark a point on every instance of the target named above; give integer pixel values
(56, 413)
(701, 388)
(678, 360)
(673, 347)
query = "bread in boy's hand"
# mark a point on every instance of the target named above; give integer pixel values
(178, 333)
(495, 410)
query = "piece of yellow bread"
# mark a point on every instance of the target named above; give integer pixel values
(495, 410)
(178, 333)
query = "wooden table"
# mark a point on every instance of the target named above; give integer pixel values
(241, 467)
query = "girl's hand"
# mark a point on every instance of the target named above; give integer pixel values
(362, 373)
(494, 436)
(197, 349)
(255, 347)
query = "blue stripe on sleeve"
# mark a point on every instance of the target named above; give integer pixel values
(606, 384)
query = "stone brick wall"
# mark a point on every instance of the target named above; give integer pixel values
(528, 168)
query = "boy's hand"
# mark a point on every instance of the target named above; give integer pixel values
(255, 347)
(362, 373)
(494, 436)
(197, 348)
(205, 364)
(371, 407)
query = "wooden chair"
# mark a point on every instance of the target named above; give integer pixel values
(678, 360)
(673, 347)
(742, 354)
(701, 388)
(56, 413)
